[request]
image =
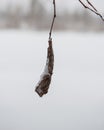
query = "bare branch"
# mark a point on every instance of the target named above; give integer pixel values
(54, 16)
(93, 9)
(91, 5)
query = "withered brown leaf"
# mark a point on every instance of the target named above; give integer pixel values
(45, 80)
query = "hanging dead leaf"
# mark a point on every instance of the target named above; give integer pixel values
(45, 80)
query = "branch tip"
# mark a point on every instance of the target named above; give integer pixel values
(54, 16)
(92, 9)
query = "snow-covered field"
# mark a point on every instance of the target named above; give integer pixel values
(75, 100)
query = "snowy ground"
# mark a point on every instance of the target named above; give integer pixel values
(76, 96)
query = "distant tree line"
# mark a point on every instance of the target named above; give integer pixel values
(37, 17)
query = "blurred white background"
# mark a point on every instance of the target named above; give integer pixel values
(75, 100)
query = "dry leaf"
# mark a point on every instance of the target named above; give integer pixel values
(45, 80)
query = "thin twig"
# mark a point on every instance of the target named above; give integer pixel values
(93, 10)
(91, 5)
(54, 16)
